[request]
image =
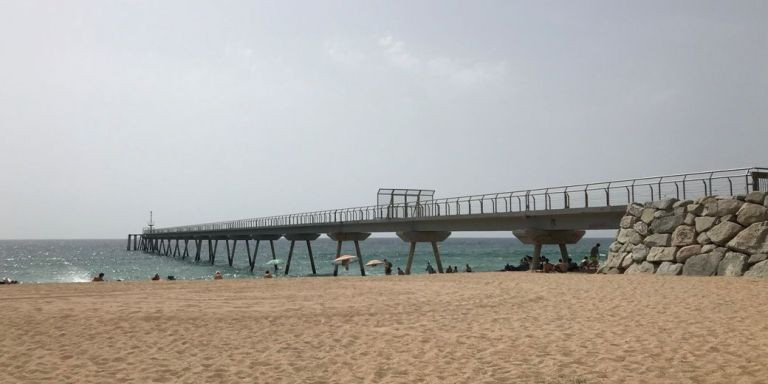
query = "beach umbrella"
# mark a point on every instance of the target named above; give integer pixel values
(374, 263)
(345, 259)
(274, 262)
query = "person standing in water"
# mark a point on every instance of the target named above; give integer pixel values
(594, 253)
(387, 267)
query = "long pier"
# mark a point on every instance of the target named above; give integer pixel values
(554, 215)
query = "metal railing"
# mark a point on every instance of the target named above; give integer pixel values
(602, 194)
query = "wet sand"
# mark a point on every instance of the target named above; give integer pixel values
(462, 328)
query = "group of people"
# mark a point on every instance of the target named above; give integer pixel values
(8, 281)
(587, 264)
(451, 269)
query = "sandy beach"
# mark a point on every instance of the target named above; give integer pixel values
(462, 328)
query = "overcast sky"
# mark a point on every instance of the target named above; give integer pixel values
(217, 110)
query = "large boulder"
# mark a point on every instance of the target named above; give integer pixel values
(683, 235)
(733, 264)
(682, 203)
(626, 261)
(728, 207)
(627, 221)
(752, 240)
(647, 215)
(703, 265)
(710, 206)
(635, 209)
(629, 236)
(704, 223)
(696, 209)
(665, 204)
(758, 270)
(642, 268)
(685, 253)
(639, 253)
(703, 239)
(658, 240)
(690, 219)
(615, 246)
(669, 269)
(723, 232)
(613, 260)
(756, 258)
(756, 197)
(751, 213)
(641, 228)
(662, 254)
(667, 224)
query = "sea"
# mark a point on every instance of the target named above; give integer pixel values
(73, 261)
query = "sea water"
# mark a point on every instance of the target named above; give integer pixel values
(63, 261)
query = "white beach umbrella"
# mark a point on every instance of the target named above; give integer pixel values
(345, 259)
(374, 263)
(274, 262)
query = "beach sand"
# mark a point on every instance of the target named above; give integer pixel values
(461, 328)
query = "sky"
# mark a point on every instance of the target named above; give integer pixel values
(215, 110)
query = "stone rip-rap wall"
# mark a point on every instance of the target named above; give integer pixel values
(715, 235)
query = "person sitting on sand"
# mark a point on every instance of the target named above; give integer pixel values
(100, 277)
(561, 266)
(171, 277)
(547, 267)
(449, 270)
(429, 269)
(267, 274)
(400, 272)
(218, 276)
(156, 277)
(467, 268)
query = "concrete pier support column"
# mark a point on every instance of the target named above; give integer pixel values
(135, 240)
(432, 237)
(294, 237)
(128, 248)
(212, 245)
(539, 237)
(186, 249)
(356, 237)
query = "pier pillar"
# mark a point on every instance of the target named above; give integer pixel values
(135, 240)
(212, 250)
(293, 237)
(231, 255)
(176, 250)
(259, 238)
(198, 244)
(186, 249)
(128, 248)
(539, 237)
(356, 237)
(432, 237)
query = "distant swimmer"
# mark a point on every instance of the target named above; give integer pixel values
(156, 277)
(218, 276)
(100, 277)
(267, 274)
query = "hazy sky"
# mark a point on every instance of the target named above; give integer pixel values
(217, 110)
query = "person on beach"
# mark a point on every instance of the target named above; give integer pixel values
(449, 270)
(467, 268)
(594, 253)
(100, 277)
(218, 276)
(9, 281)
(387, 267)
(400, 272)
(267, 274)
(156, 277)
(429, 269)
